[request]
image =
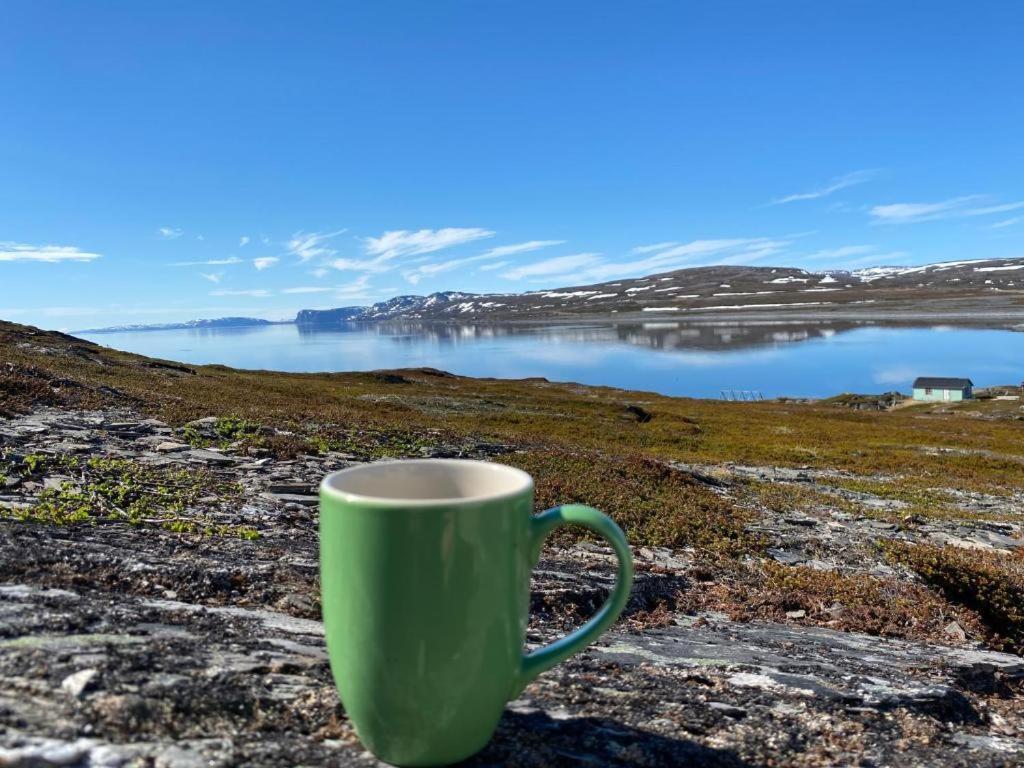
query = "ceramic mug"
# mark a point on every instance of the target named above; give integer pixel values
(425, 574)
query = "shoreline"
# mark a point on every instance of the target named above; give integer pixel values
(1008, 317)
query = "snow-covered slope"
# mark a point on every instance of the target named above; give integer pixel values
(714, 290)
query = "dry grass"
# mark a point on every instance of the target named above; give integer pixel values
(535, 412)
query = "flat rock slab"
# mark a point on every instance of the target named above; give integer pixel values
(210, 457)
(93, 678)
(135, 646)
(305, 499)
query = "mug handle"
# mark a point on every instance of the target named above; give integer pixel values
(544, 658)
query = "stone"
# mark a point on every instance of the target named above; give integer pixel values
(167, 446)
(786, 558)
(206, 421)
(56, 482)
(305, 500)
(956, 632)
(727, 709)
(301, 488)
(182, 636)
(209, 457)
(78, 683)
(46, 753)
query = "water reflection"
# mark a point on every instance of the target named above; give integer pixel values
(796, 359)
(663, 335)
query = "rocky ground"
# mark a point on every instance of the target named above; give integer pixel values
(191, 637)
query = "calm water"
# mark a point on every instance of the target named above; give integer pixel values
(673, 358)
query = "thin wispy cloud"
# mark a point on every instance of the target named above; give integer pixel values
(988, 210)
(391, 249)
(511, 250)
(494, 265)
(707, 247)
(357, 289)
(208, 263)
(843, 252)
(897, 213)
(642, 249)
(429, 270)
(265, 262)
(736, 250)
(1007, 222)
(311, 245)
(663, 257)
(320, 272)
(836, 184)
(555, 266)
(170, 233)
(49, 254)
(308, 289)
(403, 242)
(257, 293)
(955, 207)
(213, 277)
(362, 265)
(422, 271)
(243, 241)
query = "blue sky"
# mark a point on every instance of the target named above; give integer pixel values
(165, 161)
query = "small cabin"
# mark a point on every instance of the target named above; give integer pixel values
(940, 389)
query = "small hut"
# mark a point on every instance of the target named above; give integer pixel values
(942, 389)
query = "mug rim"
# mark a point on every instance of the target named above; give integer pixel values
(328, 488)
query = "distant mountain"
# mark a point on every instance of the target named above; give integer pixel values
(329, 316)
(400, 307)
(970, 287)
(220, 322)
(978, 284)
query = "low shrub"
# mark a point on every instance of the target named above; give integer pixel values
(653, 503)
(768, 591)
(990, 583)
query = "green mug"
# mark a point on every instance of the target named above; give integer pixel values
(425, 573)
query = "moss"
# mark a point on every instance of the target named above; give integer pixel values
(371, 443)
(990, 583)
(118, 490)
(235, 428)
(194, 437)
(33, 462)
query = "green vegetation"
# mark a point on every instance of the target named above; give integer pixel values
(367, 444)
(226, 430)
(118, 490)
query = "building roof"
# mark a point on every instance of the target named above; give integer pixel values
(941, 382)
